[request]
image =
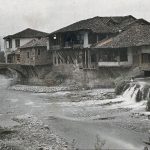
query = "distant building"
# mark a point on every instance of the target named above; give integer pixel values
(13, 42)
(72, 44)
(35, 53)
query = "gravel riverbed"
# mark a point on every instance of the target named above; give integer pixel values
(45, 118)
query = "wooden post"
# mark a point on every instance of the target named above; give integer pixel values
(118, 57)
(97, 38)
(85, 58)
(140, 59)
(89, 59)
(86, 42)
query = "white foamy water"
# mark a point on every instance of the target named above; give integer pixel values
(14, 100)
(29, 103)
(130, 94)
(4, 82)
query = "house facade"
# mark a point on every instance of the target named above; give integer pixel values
(13, 42)
(35, 53)
(131, 47)
(74, 44)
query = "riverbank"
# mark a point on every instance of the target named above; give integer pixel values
(72, 75)
(41, 89)
(29, 133)
(76, 116)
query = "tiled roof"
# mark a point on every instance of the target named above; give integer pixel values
(136, 34)
(35, 43)
(100, 24)
(27, 33)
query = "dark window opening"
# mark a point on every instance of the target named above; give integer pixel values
(93, 58)
(109, 55)
(113, 55)
(101, 37)
(17, 42)
(71, 39)
(28, 54)
(10, 43)
(145, 58)
(39, 51)
(92, 38)
(147, 73)
(123, 55)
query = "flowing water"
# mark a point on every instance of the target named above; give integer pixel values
(82, 121)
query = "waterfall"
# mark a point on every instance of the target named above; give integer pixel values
(137, 91)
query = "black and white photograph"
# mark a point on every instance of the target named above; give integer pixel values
(74, 75)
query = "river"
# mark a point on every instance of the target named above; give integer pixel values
(83, 122)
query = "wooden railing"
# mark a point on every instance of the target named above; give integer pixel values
(67, 45)
(55, 47)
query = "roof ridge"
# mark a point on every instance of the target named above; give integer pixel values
(96, 24)
(27, 33)
(136, 21)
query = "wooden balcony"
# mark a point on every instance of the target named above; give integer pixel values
(113, 64)
(55, 47)
(66, 46)
(73, 44)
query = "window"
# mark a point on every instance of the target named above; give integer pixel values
(93, 58)
(109, 55)
(17, 42)
(28, 54)
(123, 55)
(39, 51)
(92, 38)
(10, 43)
(145, 58)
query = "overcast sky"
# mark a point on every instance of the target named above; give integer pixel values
(50, 15)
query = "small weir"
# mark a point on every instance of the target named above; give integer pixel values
(137, 90)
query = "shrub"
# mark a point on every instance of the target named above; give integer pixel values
(121, 87)
(139, 96)
(148, 105)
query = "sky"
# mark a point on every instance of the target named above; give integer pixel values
(50, 15)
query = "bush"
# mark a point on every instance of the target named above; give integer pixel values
(148, 105)
(121, 87)
(139, 96)
(145, 91)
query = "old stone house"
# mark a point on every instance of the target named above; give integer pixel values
(73, 44)
(13, 42)
(35, 53)
(131, 47)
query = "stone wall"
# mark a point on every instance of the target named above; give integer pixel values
(103, 77)
(35, 56)
(71, 75)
